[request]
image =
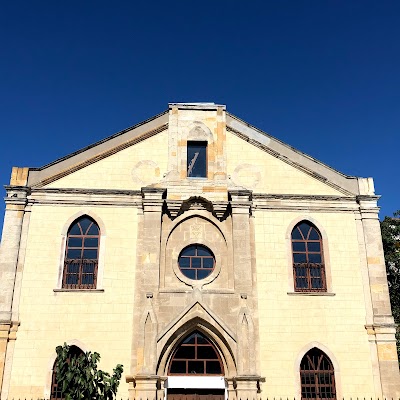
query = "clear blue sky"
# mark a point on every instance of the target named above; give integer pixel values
(322, 76)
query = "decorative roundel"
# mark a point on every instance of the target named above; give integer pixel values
(196, 262)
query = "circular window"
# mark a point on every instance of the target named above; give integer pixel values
(196, 262)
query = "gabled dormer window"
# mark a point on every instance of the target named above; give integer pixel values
(196, 159)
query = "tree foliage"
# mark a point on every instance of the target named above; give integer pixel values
(390, 227)
(79, 377)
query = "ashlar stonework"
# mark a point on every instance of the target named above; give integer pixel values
(262, 276)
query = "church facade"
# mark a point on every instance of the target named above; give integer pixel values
(207, 257)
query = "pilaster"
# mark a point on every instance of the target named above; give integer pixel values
(16, 201)
(147, 282)
(382, 330)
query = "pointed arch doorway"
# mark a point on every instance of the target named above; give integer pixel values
(196, 370)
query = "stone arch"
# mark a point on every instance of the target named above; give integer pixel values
(199, 131)
(214, 335)
(332, 358)
(64, 232)
(325, 244)
(52, 360)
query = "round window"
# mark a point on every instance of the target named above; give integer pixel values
(196, 261)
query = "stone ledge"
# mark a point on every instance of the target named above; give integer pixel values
(79, 290)
(311, 294)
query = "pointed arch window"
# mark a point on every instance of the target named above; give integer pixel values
(308, 259)
(56, 388)
(81, 255)
(317, 376)
(196, 355)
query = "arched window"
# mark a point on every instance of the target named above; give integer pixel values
(196, 355)
(56, 389)
(308, 259)
(317, 376)
(81, 255)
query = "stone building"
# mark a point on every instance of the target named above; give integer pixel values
(204, 255)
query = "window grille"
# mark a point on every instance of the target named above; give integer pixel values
(196, 355)
(196, 261)
(317, 376)
(81, 255)
(308, 260)
(56, 388)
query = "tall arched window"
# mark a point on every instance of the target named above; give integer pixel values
(308, 259)
(81, 255)
(317, 376)
(196, 355)
(56, 389)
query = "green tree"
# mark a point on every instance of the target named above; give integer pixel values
(79, 377)
(390, 227)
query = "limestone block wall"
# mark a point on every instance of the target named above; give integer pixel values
(130, 169)
(292, 323)
(261, 172)
(99, 320)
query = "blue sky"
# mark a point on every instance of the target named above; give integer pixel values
(322, 76)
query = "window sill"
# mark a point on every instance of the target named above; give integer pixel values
(79, 290)
(311, 294)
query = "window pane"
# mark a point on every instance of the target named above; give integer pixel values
(301, 283)
(296, 235)
(213, 367)
(188, 251)
(203, 251)
(189, 273)
(314, 258)
(201, 339)
(203, 273)
(196, 262)
(93, 230)
(196, 367)
(178, 367)
(208, 263)
(304, 227)
(90, 254)
(185, 352)
(74, 253)
(206, 352)
(299, 246)
(197, 159)
(87, 279)
(75, 230)
(314, 235)
(91, 242)
(190, 339)
(85, 223)
(74, 242)
(184, 262)
(314, 246)
(299, 258)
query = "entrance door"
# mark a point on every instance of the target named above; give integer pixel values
(195, 394)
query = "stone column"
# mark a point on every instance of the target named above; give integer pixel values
(143, 381)
(383, 328)
(10, 246)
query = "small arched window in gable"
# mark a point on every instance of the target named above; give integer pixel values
(308, 260)
(196, 355)
(56, 388)
(81, 255)
(317, 376)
